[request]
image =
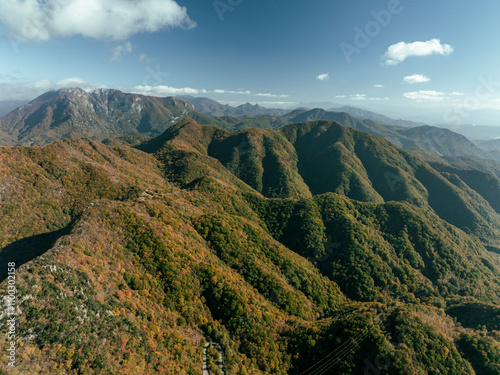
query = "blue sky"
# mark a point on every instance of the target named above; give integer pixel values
(400, 58)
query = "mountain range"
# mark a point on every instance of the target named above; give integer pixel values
(213, 108)
(312, 248)
(101, 114)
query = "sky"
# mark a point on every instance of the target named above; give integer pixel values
(433, 60)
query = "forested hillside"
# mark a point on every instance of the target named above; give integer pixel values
(316, 249)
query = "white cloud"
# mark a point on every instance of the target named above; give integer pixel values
(416, 78)
(323, 77)
(73, 82)
(30, 90)
(28, 20)
(272, 95)
(163, 90)
(399, 52)
(456, 93)
(358, 97)
(431, 95)
(120, 50)
(379, 99)
(239, 92)
(378, 86)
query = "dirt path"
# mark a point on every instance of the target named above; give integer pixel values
(221, 359)
(205, 366)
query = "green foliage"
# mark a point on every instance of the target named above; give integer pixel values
(281, 280)
(482, 351)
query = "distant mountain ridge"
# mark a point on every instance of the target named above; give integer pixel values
(429, 138)
(436, 140)
(213, 108)
(369, 115)
(106, 113)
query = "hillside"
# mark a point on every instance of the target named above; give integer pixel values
(402, 133)
(312, 158)
(126, 260)
(428, 138)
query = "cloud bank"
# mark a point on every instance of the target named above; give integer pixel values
(431, 95)
(30, 90)
(269, 95)
(240, 92)
(163, 90)
(34, 20)
(399, 52)
(416, 78)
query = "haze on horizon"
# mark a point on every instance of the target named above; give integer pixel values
(421, 61)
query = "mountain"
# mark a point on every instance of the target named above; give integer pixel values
(369, 115)
(70, 113)
(466, 162)
(317, 157)
(7, 106)
(441, 142)
(490, 145)
(128, 260)
(476, 133)
(102, 114)
(214, 108)
(428, 138)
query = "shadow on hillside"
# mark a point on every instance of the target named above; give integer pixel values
(22, 251)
